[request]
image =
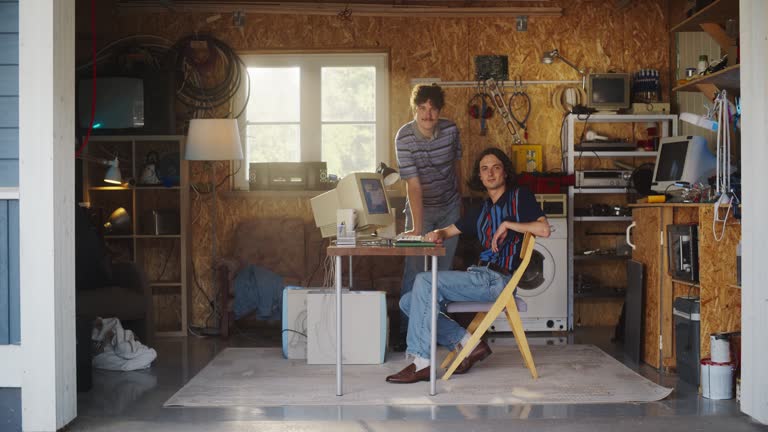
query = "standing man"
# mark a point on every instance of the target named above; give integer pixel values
(499, 224)
(428, 155)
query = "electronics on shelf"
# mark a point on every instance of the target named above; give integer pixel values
(682, 159)
(289, 175)
(683, 251)
(553, 205)
(650, 108)
(127, 104)
(603, 178)
(605, 146)
(608, 91)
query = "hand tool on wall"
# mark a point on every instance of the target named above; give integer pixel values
(501, 106)
(522, 102)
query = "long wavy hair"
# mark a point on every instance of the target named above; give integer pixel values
(474, 181)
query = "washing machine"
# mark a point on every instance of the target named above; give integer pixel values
(544, 285)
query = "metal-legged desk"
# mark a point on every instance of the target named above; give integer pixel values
(350, 251)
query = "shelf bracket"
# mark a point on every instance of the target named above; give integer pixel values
(719, 35)
(709, 90)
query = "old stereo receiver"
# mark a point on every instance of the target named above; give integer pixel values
(603, 178)
(289, 176)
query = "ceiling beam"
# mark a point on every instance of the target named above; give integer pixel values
(341, 9)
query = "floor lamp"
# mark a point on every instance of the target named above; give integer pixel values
(213, 140)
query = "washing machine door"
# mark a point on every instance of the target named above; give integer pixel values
(540, 273)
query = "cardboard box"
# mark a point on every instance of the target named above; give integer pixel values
(364, 327)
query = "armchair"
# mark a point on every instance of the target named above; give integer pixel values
(275, 244)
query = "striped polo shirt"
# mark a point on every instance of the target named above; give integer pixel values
(515, 205)
(431, 159)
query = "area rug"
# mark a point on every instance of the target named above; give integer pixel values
(260, 377)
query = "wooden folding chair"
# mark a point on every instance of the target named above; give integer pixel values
(487, 313)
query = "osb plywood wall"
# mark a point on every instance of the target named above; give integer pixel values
(720, 301)
(593, 33)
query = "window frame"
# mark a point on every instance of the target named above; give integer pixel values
(310, 121)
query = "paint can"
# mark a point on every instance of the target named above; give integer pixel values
(716, 379)
(720, 346)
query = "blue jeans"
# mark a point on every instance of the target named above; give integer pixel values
(433, 218)
(476, 284)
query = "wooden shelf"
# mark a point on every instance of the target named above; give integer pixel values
(598, 153)
(166, 288)
(125, 188)
(142, 236)
(600, 293)
(165, 284)
(623, 118)
(685, 282)
(170, 333)
(156, 187)
(602, 218)
(716, 13)
(600, 257)
(109, 188)
(734, 286)
(580, 190)
(728, 79)
(142, 247)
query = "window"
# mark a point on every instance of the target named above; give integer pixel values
(317, 107)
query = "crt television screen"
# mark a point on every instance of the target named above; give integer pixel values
(375, 199)
(671, 161)
(607, 90)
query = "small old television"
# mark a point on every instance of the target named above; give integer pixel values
(608, 91)
(682, 159)
(119, 103)
(362, 192)
(683, 252)
(140, 105)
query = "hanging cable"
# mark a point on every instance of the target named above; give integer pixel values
(200, 54)
(723, 191)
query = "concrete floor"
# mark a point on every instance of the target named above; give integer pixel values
(132, 401)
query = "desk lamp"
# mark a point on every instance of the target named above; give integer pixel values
(390, 175)
(119, 221)
(549, 57)
(112, 175)
(213, 140)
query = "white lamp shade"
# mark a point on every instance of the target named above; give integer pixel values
(113, 175)
(213, 139)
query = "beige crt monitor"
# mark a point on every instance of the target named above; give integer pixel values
(363, 192)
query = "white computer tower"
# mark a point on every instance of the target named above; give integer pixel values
(364, 327)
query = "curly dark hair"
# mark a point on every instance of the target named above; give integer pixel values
(427, 92)
(474, 181)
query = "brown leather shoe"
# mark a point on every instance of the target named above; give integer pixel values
(409, 375)
(481, 352)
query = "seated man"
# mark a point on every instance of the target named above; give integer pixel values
(499, 224)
